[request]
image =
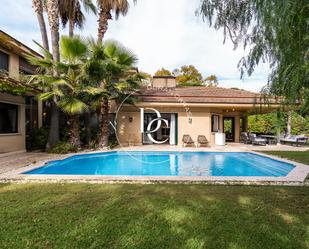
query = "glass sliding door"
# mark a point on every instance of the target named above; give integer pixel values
(229, 128)
(166, 133)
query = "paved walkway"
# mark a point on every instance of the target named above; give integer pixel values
(18, 160)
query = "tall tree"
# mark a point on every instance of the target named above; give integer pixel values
(106, 7)
(74, 54)
(39, 10)
(70, 11)
(53, 19)
(189, 74)
(163, 72)
(275, 31)
(211, 81)
(68, 88)
(110, 67)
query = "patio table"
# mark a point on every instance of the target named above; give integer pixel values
(271, 139)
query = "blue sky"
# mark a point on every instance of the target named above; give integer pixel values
(162, 33)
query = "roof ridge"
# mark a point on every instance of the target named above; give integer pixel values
(217, 87)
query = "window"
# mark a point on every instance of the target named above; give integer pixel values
(25, 67)
(8, 118)
(31, 113)
(4, 61)
(215, 123)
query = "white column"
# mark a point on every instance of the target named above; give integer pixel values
(173, 129)
(289, 123)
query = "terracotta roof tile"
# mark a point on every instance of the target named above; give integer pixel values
(199, 95)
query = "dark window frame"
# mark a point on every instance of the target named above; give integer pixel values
(7, 66)
(15, 126)
(212, 122)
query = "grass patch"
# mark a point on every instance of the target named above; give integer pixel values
(298, 156)
(153, 216)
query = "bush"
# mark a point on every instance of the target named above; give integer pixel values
(37, 139)
(113, 142)
(63, 148)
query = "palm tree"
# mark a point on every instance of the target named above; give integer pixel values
(68, 89)
(38, 8)
(110, 64)
(73, 55)
(105, 8)
(70, 12)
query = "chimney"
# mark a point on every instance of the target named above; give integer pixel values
(164, 81)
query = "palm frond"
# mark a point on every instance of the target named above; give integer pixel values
(72, 48)
(45, 52)
(93, 90)
(72, 105)
(46, 96)
(89, 6)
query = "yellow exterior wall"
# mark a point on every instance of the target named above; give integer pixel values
(200, 124)
(129, 132)
(14, 141)
(17, 141)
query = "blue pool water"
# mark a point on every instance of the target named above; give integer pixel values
(167, 164)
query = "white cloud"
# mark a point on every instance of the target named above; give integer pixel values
(162, 34)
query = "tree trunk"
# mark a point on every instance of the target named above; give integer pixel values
(53, 19)
(71, 27)
(87, 117)
(74, 131)
(104, 125)
(55, 47)
(104, 16)
(53, 135)
(38, 8)
(43, 30)
(72, 18)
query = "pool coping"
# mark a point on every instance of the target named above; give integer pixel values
(296, 176)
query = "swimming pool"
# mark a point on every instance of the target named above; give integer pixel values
(142, 163)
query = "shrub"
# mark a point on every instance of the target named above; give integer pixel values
(37, 139)
(63, 148)
(93, 144)
(113, 142)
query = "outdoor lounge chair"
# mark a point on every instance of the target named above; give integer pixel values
(187, 140)
(293, 139)
(257, 140)
(244, 137)
(201, 140)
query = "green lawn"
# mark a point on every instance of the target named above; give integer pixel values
(298, 156)
(153, 216)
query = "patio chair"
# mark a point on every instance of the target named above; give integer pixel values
(294, 139)
(257, 140)
(244, 137)
(201, 140)
(187, 140)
